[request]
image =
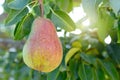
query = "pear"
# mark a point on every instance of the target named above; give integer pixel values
(43, 50)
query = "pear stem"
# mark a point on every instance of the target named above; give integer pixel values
(41, 8)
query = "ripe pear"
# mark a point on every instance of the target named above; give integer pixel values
(43, 50)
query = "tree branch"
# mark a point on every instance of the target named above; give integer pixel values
(41, 8)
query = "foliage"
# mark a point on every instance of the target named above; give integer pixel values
(86, 55)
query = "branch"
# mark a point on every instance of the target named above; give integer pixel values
(41, 8)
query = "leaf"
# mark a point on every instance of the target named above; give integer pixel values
(53, 75)
(61, 76)
(15, 16)
(18, 4)
(97, 3)
(105, 24)
(115, 4)
(92, 51)
(46, 9)
(118, 32)
(12, 56)
(99, 74)
(76, 3)
(61, 19)
(89, 7)
(86, 72)
(73, 67)
(5, 5)
(114, 52)
(36, 10)
(81, 72)
(110, 69)
(23, 28)
(66, 5)
(35, 75)
(70, 53)
(88, 58)
(76, 44)
(89, 72)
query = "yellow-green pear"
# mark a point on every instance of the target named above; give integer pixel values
(43, 50)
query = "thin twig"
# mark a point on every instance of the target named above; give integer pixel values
(41, 8)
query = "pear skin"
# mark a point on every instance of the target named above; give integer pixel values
(43, 50)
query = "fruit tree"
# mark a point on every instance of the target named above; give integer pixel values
(40, 40)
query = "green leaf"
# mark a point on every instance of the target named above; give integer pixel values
(105, 24)
(61, 19)
(23, 28)
(89, 72)
(88, 58)
(86, 72)
(76, 44)
(73, 67)
(114, 52)
(15, 16)
(99, 74)
(70, 53)
(118, 32)
(66, 5)
(35, 75)
(53, 75)
(36, 11)
(110, 69)
(115, 4)
(81, 72)
(61, 76)
(97, 3)
(5, 5)
(76, 3)
(12, 56)
(46, 9)
(18, 4)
